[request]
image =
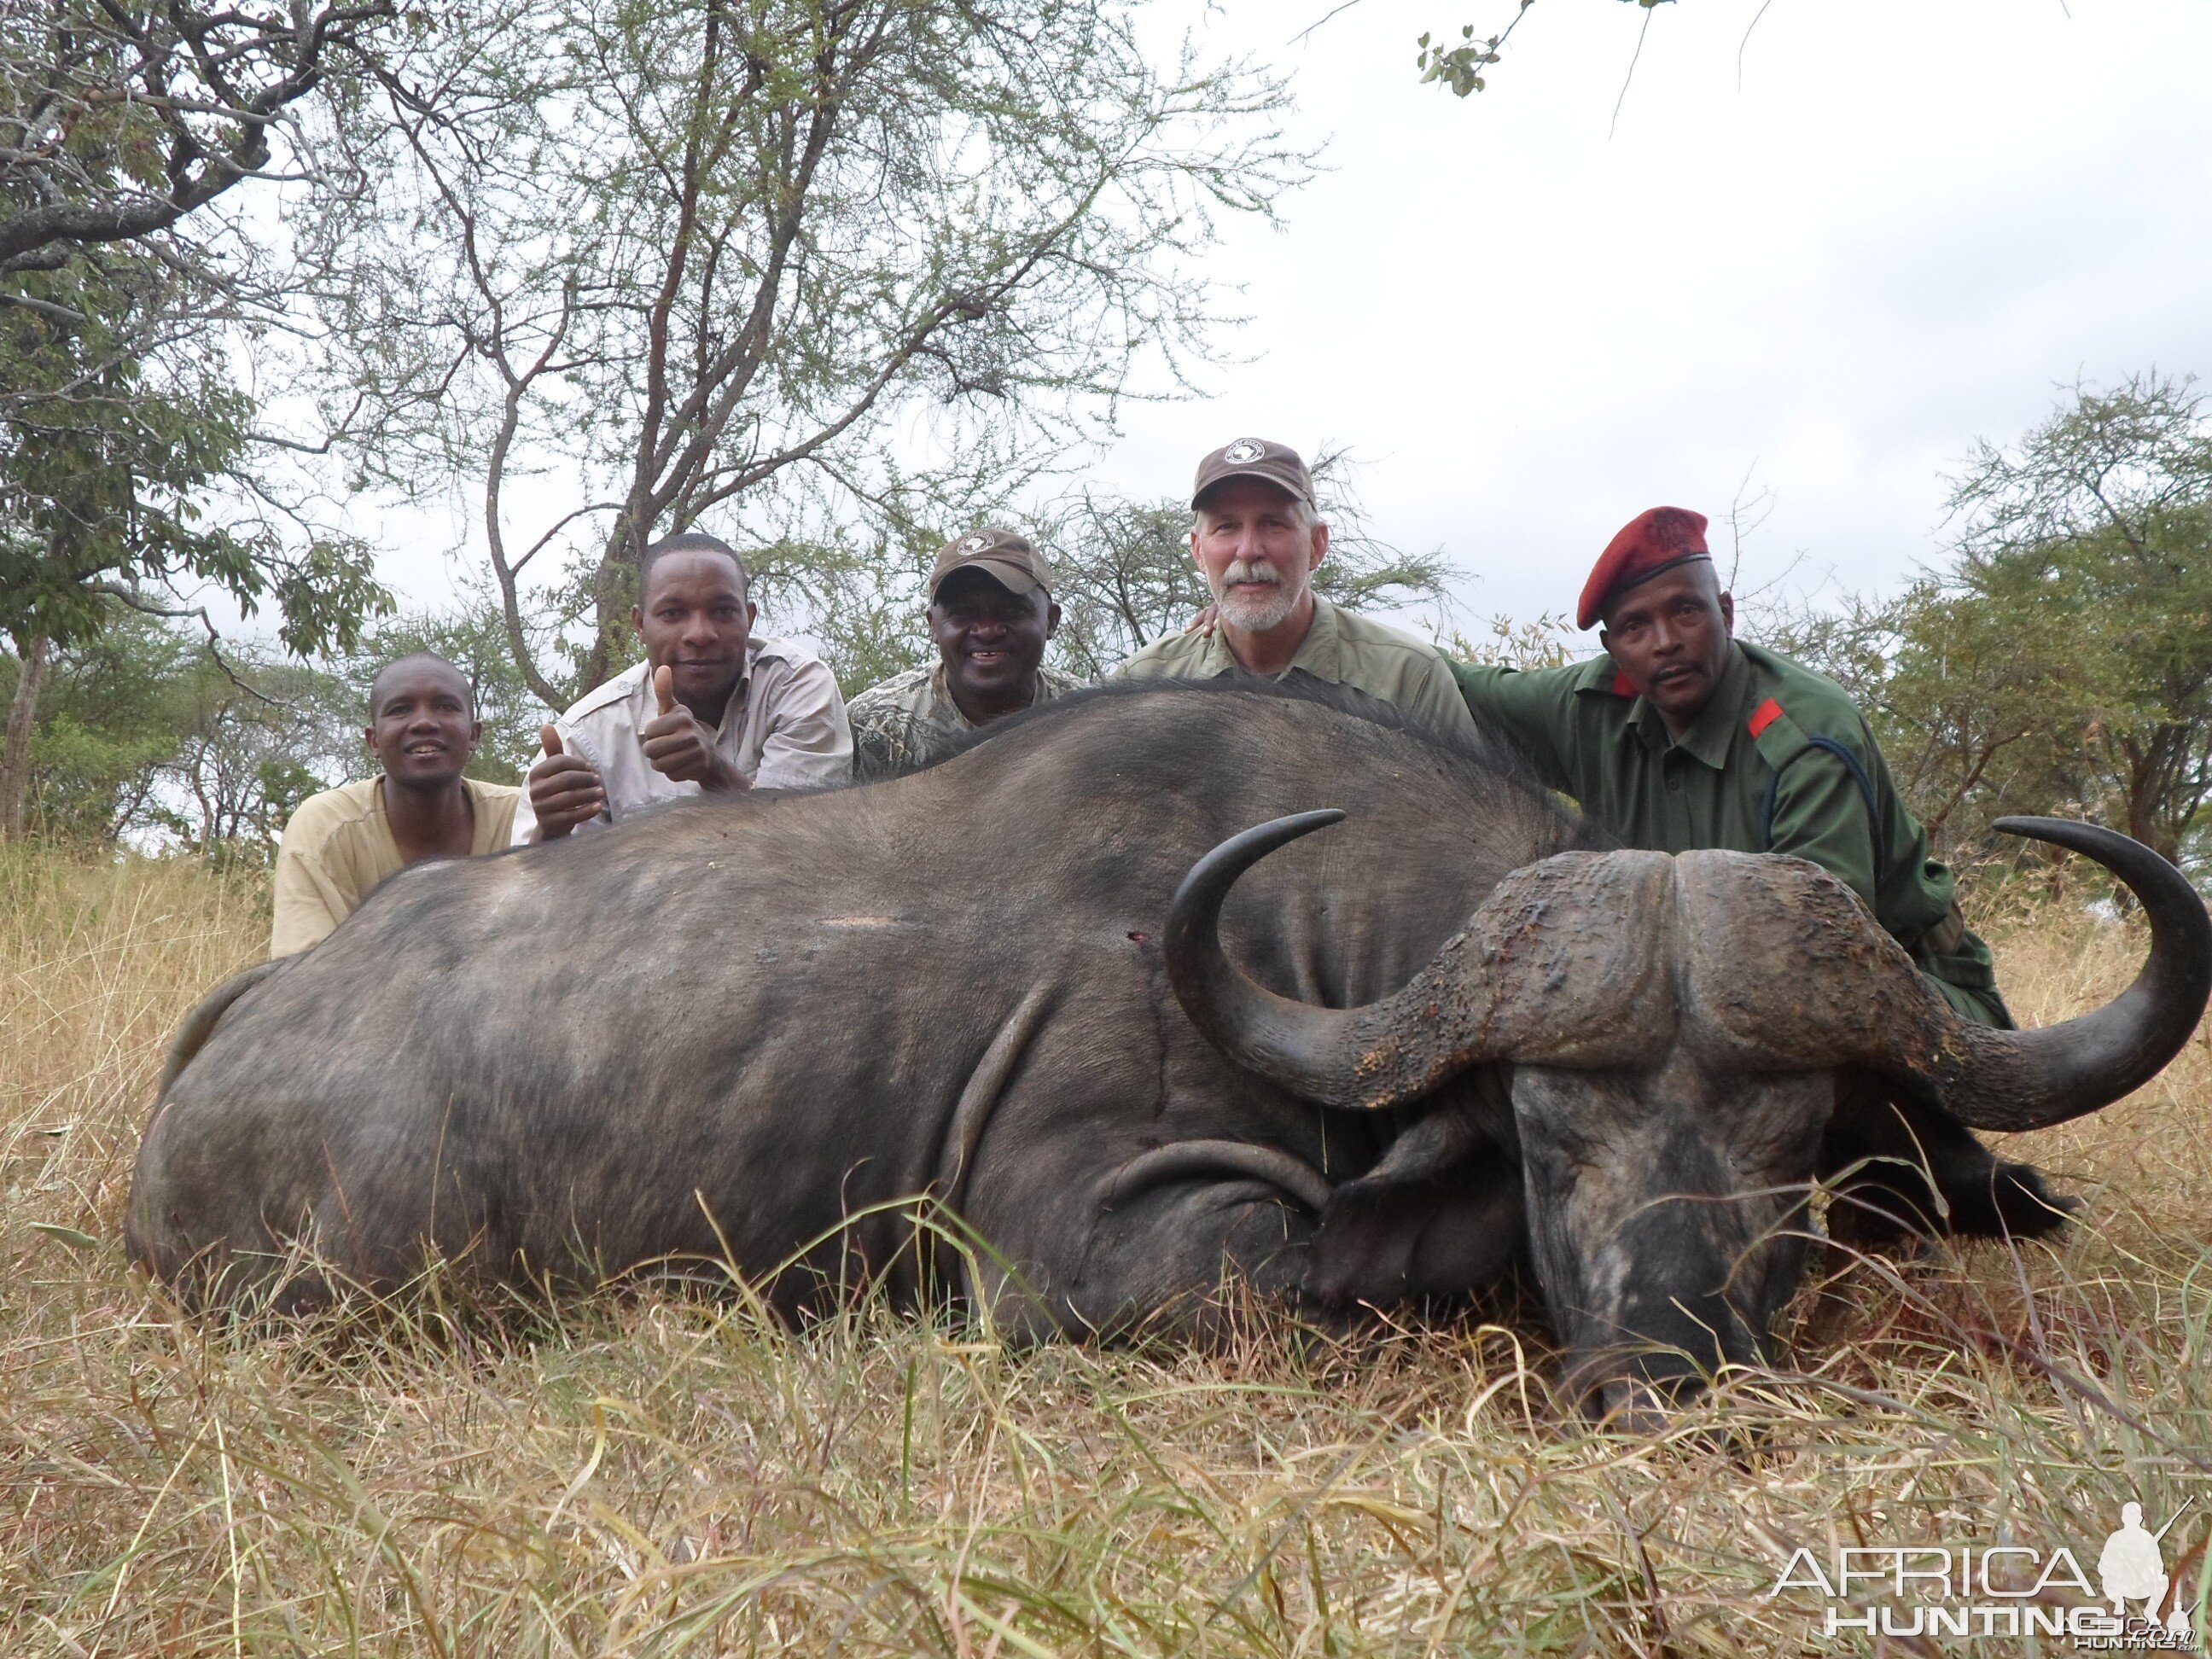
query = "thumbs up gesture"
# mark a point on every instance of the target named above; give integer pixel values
(565, 790)
(679, 746)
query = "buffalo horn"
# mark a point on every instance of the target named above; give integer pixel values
(1371, 1057)
(2028, 1079)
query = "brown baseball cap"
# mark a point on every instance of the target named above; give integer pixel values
(1008, 558)
(1255, 457)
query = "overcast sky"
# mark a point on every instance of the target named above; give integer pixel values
(1905, 227)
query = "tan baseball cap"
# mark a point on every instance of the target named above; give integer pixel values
(1005, 557)
(1255, 457)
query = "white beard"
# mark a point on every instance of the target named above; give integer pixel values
(1254, 611)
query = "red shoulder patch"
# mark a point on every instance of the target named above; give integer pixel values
(1622, 685)
(1764, 715)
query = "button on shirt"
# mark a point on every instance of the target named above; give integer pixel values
(910, 721)
(1342, 647)
(785, 728)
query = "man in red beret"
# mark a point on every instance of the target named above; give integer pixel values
(1680, 736)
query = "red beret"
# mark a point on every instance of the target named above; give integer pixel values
(1655, 540)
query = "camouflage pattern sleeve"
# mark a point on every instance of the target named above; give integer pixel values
(876, 746)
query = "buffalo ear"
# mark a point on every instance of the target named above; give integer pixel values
(1364, 1251)
(1471, 1242)
(1439, 1216)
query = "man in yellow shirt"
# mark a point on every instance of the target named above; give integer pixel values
(340, 844)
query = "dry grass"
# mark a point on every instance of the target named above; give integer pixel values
(649, 1475)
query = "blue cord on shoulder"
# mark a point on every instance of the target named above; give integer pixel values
(1866, 793)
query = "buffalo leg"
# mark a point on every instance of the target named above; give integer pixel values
(1908, 1168)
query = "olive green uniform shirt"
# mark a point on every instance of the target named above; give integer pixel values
(1780, 761)
(1342, 647)
(339, 845)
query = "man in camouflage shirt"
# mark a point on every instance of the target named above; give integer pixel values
(991, 613)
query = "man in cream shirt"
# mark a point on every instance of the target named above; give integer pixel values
(714, 707)
(339, 844)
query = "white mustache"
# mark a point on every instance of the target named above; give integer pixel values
(1242, 572)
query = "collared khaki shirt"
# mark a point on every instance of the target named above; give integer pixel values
(339, 845)
(1780, 761)
(1342, 647)
(910, 721)
(785, 728)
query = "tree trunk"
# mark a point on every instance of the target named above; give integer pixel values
(22, 714)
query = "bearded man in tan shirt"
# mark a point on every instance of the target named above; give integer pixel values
(1258, 537)
(340, 844)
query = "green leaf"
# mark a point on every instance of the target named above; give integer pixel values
(69, 1236)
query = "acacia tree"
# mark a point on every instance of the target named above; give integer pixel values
(1127, 576)
(1975, 702)
(783, 266)
(2089, 545)
(108, 457)
(1462, 65)
(140, 732)
(2062, 660)
(119, 122)
(118, 119)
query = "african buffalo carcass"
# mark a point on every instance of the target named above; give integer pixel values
(1450, 1035)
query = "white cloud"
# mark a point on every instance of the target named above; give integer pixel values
(1894, 238)
(1912, 218)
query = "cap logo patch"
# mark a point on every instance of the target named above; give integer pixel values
(974, 543)
(1244, 450)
